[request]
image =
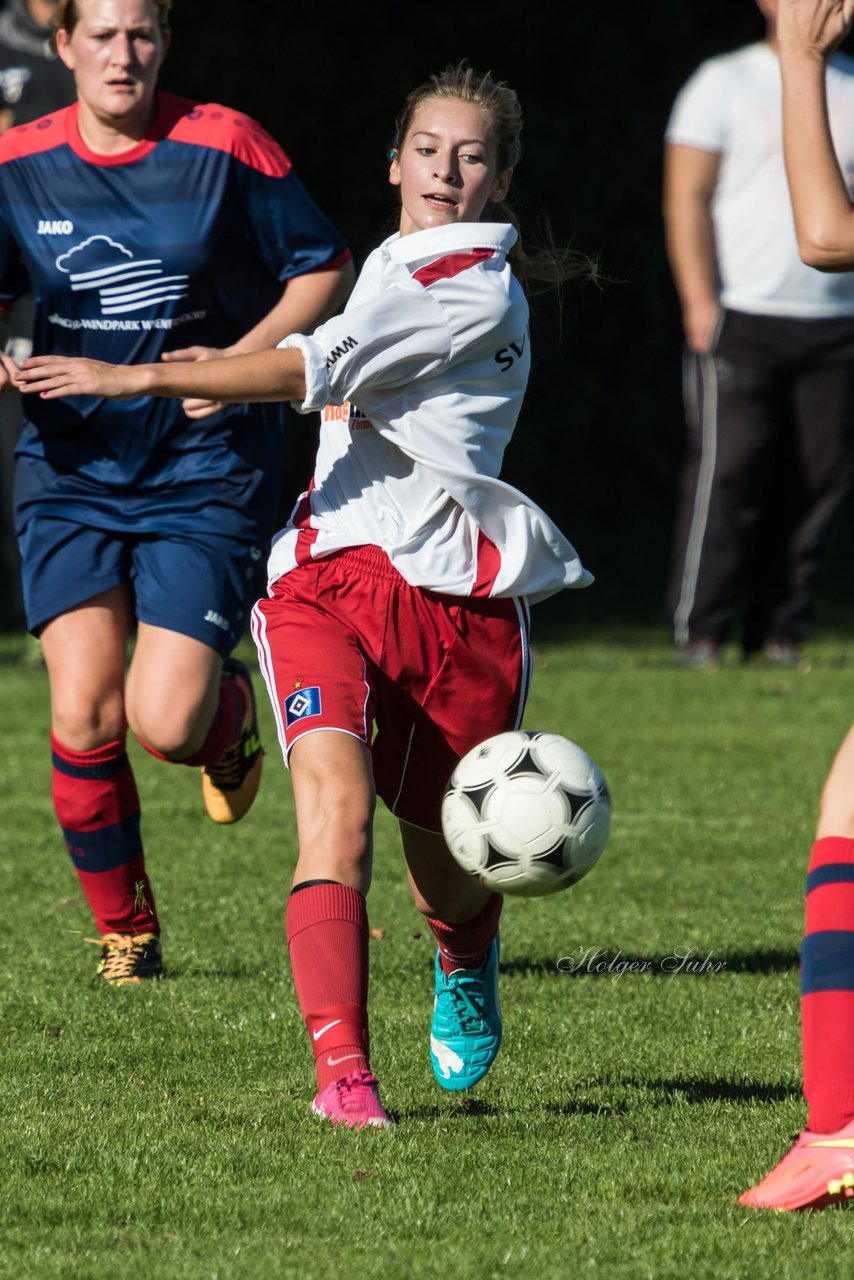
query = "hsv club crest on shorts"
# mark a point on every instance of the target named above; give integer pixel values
(301, 704)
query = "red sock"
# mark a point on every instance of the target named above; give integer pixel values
(96, 802)
(464, 946)
(827, 986)
(328, 944)
(226, 726)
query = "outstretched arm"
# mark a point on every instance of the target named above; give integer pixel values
(307, 301)
(261, 376)
(808, 32)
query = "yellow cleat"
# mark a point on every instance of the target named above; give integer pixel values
(230, 784)
(128, 958)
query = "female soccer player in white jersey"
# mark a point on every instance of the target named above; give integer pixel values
(145, 225)
(395, 635)
(819, 1169)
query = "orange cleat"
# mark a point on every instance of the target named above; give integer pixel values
(817, 1172)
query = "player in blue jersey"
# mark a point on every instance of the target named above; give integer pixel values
(149, 228)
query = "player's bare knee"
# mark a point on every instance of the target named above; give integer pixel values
(173, 731)
(338, 823)
(82, 723)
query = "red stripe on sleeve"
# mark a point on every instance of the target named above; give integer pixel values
(334, 263)
(451, 265)
(211, 125)
(39, 135)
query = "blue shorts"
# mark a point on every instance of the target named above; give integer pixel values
(200, 585)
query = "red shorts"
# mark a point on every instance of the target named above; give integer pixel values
(345, 643)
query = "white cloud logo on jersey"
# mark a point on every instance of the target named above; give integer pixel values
(124, 283)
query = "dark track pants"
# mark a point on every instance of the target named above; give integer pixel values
(770, 456)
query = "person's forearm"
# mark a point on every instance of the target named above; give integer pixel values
(262, 376)
(257, 377)
(822, 206)
(690, 239)
(690, 178)
(307, 301)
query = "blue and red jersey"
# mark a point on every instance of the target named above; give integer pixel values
(187, 238)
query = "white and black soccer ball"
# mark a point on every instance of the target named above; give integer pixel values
(527, 813)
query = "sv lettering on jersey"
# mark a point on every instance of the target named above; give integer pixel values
(507, 356)
(55, 227)
(341, 350)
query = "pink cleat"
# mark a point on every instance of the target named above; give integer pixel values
(817, 1172)
(353, 1101)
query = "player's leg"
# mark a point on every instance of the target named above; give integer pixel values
(733, 407)
(328, 921)
(94, 793)
(474, 683)
(172, 691)
(77, 600)
(187, 706)
(827, 958)
(318, 683)
(187, 701)
(466, 1029)
(819, 1169)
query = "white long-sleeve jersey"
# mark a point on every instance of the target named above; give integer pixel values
(419, 382)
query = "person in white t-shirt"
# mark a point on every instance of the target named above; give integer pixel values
(395, 635)
(769, 367)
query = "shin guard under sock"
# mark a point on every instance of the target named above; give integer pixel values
(327, 927)
(96, 802)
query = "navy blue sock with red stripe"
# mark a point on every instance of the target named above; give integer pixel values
(96, 802)
(827, 985)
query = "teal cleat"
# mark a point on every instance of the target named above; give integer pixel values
(466, 1031)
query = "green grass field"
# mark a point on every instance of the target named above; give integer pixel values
(165, 1132)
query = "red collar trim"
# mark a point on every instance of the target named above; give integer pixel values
(158, 128)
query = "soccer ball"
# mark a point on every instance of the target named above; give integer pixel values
(526, 813)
